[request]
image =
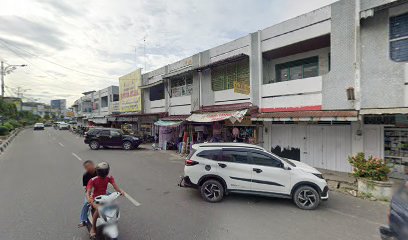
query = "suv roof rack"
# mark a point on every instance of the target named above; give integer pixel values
(228, 145)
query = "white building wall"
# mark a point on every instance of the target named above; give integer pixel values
(180, 105)
(292, 94)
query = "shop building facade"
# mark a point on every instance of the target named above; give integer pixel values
(94, 108)
(326, 85)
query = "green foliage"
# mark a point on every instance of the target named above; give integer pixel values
(3, 131)
(28, 118)
(372, 168)
(8, 126)
(14, 123)
(8, 110)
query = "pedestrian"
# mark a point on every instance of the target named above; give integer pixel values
(90, 172)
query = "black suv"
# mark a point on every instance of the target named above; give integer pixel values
(110, 137)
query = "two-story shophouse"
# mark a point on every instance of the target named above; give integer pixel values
(316, 88)
(95, 107)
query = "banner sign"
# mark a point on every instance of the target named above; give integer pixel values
(242, 87)
(130, 97)
(233, 116)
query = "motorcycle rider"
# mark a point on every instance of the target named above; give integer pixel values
(97, 186)
(90, 172)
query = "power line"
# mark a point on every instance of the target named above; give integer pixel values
(31, 63)
(60, 65)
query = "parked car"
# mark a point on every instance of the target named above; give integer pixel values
(110, 137)
(397, 228)
(217, 169)
(39, 126)
(47, 124)
(63, 126)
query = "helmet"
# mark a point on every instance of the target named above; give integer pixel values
(102, 169)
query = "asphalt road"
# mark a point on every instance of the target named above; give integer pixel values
(41, 197)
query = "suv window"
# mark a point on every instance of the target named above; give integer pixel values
(93, 132)
(209, 154)
(114, 133)
(264, 160)
(104, 133)
(234, 156)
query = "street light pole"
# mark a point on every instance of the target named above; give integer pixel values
(2, 79)
(4, 71)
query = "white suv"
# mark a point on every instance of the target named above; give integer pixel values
(217, 169)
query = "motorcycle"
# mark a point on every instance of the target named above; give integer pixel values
(107, 222)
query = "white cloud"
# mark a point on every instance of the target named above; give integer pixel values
(105, 38)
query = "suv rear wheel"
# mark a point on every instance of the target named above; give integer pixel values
(212, 191)
(306, 197)
(127, 145)
(94, 145)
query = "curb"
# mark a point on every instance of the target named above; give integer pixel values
(6, 142)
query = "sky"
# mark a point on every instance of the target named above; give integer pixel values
(80, 45)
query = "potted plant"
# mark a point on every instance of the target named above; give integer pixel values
(372, 176)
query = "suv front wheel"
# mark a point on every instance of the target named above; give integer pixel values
(94, 145)
(212, 191)
(306, 197)
(127, 145)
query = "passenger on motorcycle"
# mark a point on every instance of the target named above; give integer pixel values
(97, 186)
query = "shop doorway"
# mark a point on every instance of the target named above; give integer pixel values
(321, 146)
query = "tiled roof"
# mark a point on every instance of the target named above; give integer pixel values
(175, 118)
(307, 114)
(227, 107)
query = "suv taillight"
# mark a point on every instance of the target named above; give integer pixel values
(191, 162)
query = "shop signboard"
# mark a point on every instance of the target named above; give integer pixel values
(233, 116)
(130, 97)
(242, 87)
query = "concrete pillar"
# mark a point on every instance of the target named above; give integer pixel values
(255, 68)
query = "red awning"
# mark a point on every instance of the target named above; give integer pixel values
(307, 116)
(226, 107)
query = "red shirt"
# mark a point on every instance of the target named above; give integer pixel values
(99, 185)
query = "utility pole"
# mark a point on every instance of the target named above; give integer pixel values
(7, 70)
(2, 79)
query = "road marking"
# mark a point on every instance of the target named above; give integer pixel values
(61, 144)
(80, 159)
(132, 200)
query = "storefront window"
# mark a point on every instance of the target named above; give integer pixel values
(224, 76)
(303, 68)
(396, 150)
(156, 92)
(181, 86)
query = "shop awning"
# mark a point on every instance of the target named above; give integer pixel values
(306, 116)
(168, 123)
(177, 72)
(226, 107)
(233, 116)
(150, 84)
(98, 120)
(232, 58)
(379, 111)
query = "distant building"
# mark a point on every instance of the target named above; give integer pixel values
(60, 104)
(94, 107)
(39, 109)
